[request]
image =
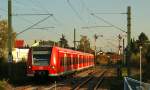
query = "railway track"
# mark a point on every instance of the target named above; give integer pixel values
(88, 77)
(92, 82)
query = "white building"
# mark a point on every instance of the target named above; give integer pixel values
(20, 54)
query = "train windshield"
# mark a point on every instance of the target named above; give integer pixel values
(41, 55)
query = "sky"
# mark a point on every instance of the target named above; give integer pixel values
(70, 14)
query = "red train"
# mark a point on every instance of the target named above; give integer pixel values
(56, 61)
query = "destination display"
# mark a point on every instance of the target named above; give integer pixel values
(41, 52)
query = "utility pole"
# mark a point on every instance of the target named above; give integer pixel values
(95, 38)
(123, 51)
(140, 65)
(10, 29)
(128, 37)
(10, 59)
(119, 46)
(129, 27)
(74, 39)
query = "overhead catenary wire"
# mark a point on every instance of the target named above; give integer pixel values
(93, 14)
(37, 4)
(56, 20)
(30, 14)
(77, 14)
(98, 17)
(110, 13)
(33, 25)
(4, 10)
(40, 6)
(89, 11)
(26, 20)
(44, 28)
(24, 5)
(88, 27)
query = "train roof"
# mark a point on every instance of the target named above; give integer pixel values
(70, 50)
(64, 50)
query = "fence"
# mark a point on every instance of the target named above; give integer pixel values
(132, 84)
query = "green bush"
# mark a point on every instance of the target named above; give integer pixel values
(17, 74)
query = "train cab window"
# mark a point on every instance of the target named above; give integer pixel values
(41, 55)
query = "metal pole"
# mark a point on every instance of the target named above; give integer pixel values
(119, 46)
(95, 37)
(74, 38)
(123, 53)
(128, 37)
(10, 59)
(140, 65)
(129, 26)
(9, 28)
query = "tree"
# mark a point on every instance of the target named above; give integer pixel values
(4, 38)
(143, 41)
(63, 42)
(143, 38)
(84, 44)
(148, 55)
(134, 46)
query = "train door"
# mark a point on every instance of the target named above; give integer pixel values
(87, 60)
(82, 61)
(61, 60)
(78, 61)
(75, 61)
(84, 64)
(29, 64)
(68, 61)
(65, 62)
(72, 62)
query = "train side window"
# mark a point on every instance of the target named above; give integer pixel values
(73, 60)
(62, 61)
(89, 59)
(79, 59)
(82, 59)
(85, 59)
(65, 60)
(76, 60)
(68, 60)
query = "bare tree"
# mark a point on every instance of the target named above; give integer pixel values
(4, 38)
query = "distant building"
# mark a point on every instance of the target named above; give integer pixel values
(20, 52)
(45, 43)
(19, 43)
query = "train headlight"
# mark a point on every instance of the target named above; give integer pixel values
(29, 67)
(53, 67)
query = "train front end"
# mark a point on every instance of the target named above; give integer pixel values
(40, 61)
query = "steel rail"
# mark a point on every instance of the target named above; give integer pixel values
(81, 84)
(100, 80)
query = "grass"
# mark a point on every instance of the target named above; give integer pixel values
(3, 83)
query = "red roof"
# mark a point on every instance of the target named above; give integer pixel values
(19, 43)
